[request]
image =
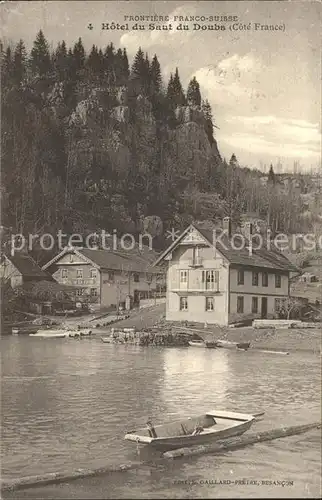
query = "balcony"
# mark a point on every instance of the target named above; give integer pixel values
(196, 262)
(204, 289)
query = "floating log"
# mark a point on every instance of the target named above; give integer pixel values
(241, 441)
(61, 477)
(271, 352)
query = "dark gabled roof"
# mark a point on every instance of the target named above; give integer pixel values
(236, 251)
(126, 261)
(26, 265)
(138, 260)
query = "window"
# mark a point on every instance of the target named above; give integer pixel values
(64, 273)
(183, 303)
(111, 276)
(93, 273)
(136, 277)
(240, 277)
(79, 292)
(71, 257)
(255, 305)
(94, 292)
(210, 306)
(255, 278)
(240, 304)
(264, 279)
(79, 273)
(277, 305)
(183, 276)
(210, 278)
(278, 281)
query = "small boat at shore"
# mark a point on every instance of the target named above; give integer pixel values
(107, 340)
(233, 345)
(197, 343)
(209, 427)
(60, 333)
(210, 345)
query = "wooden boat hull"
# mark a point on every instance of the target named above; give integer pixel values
(232, 345)
(61, 333)
(211, 345)
(106, 340)
(227, 425)
(197, 343)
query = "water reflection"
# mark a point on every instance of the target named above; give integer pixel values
(199, 378)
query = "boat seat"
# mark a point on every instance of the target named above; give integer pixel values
(203, 421)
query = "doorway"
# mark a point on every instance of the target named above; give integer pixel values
(264, 308)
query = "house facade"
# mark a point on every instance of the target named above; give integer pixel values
(210, 281)
(104, 278)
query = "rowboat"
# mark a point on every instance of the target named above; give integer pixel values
(211, 345)
(197, 343)
(57, 334)
(233, 345)
(60, 333)
(209, 427)
(107, 340)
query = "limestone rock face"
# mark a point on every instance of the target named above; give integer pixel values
(84, 111)
(121, 96)
(186, 114)
(56, 96)
(121, 114)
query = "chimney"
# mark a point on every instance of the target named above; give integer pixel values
(248, 231)
(226, 224)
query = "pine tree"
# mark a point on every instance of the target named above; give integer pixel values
(156, 77)
(140, 72)
(93, 63)
(170, 91)
(121, 67)
(126, 68)
(271, 176)
(206, 109)
(109, 63)
(179, 97)
(193, 92)
(233, 161)
(6, 67)
(39, 57)
(19, 62)
(79, 56)
(60, 61)
(175, 92)
(138, 66)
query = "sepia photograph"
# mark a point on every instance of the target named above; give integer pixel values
(160, 249)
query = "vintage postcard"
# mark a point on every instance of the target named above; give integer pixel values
(161, 249)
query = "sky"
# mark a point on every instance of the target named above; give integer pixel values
(264, 87)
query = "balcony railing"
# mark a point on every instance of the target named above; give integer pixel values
(196, 262)
(195, 287)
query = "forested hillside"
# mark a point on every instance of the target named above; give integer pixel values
(92, 142)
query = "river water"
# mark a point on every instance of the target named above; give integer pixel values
(67, 403)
